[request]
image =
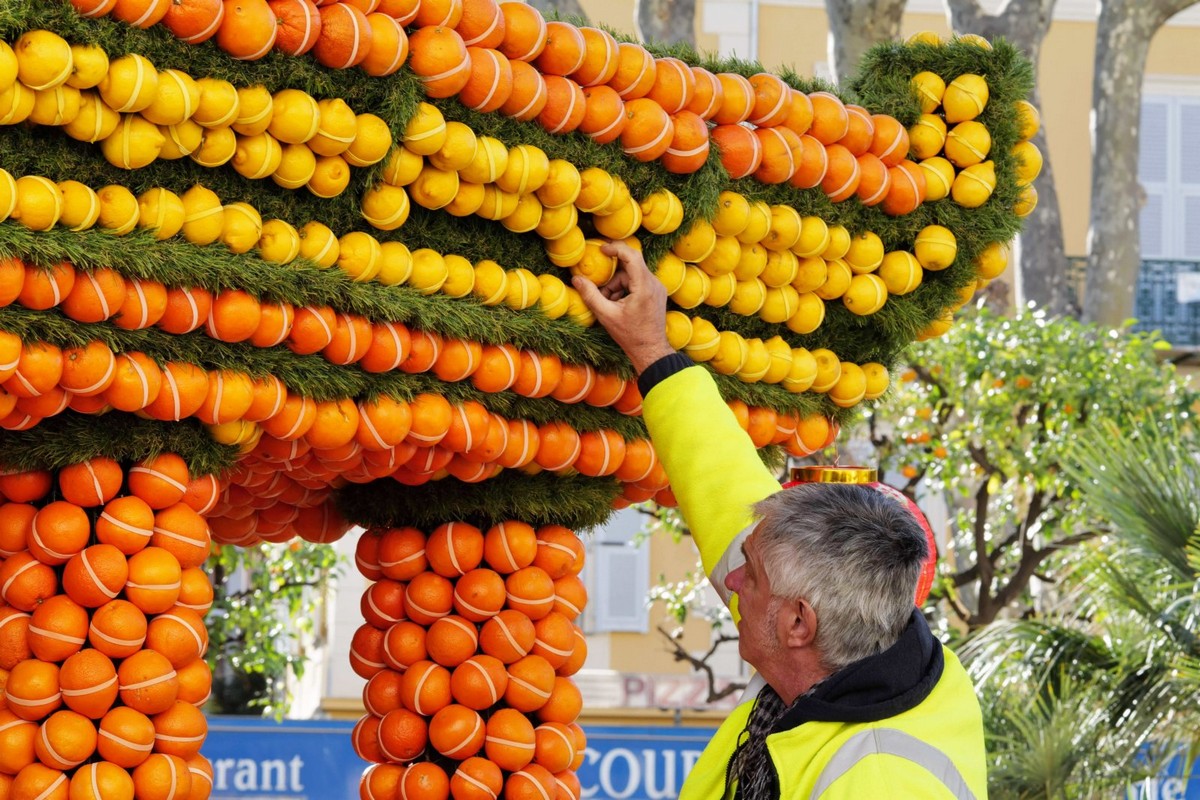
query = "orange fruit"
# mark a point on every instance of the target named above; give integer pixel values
(346, 36)
(187, 309)
(451, 640)
(154, 580)
(510, 739)
(647, 131)
(147, 682)
(66, 740)
(456, 732)
(772, 100)
(195, 682)
(674, 84)
(96, 575)
(831, 120)
(17, 738)
(140, 13)
(160, 480)
(454, 549)
(529, 783)
(559, 551)
(184, 389)
(741, 151)
(689, 147)
(813, 164)
(180, 730)
(604, 114)
(737, 102)
(389, 46)
(570, 595)
(782, 152)
(137, 381)
(564, 51)
(87, 371)
(299, 25)
(93, 8)
(425, 688)
(428, 598)
(101, 781)
(446, 13)
(528, 96)
(440, 59)
(564, 704)
(565, 105)
(32, 691)
(907, 190)
(525, 32)
(194, 21)
(600, 453)
(126, 737)
(531, 591)
(424, 779)
(248, 30)
(481, 24)
(537, 374)
(46, 288)
(490, 83)
(599, 62)
(15, 522)
(708, 96)
(860, 131)
(351, 339)
(874, 181)
(57, 628)
(162, 777)
(91, 483)
(890, 143)
(479, 682)
(635, 73)
(183, 533)
(555, 639)
(118, 629)
(508, 636)
(96, 295)
(58, 531)
(234, 315)
(842, 175)
(476, 779)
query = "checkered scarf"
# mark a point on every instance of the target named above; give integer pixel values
(752, 767)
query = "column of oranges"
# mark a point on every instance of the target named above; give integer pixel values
(467, 650)
(102, 632)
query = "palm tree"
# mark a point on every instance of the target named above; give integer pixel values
(1104, 687)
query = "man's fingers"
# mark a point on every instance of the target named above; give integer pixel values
(632, 261)
(593, 298)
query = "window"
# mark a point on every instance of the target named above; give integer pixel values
(1169, 171)
(618, 576)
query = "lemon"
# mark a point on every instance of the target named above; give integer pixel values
(385, 207)
(802, 373)
(176, 100)
(181, 140)
(257, 156)
(877, 380)
(782, 268)
(296, 166)
(974, 185)
(786, 226)
(594, 265)
(426, 130)
(44, 59)
(336, 128)
(851, 386)
(80, 206)
(330, 177)
(759, 224)
(622, 223)
(937, 327)
(429, 271)
(810, 275)
(460, 276)
(927, 136)
(491, 159)
(555, 222)
(662, 212)
(566, 250)
(697, 243)
(203, 215)
(359, 256)
(553, 298)
(89, 66)
(779, 359)
(975, 39)
(679, 329)
(968, 143)
(731, 353)
(402, 167)
(577, 310)
(119, 210)
(242, 228)
(395, 263)
(372, 141)
(55, 107)
(810, 313)
(724, 257)
(562, 186)
(829, 370)
(526, 216)
(901, 272)
(670, 271)
(837, 280)
(779, 305)
(497, 203)
(939, 177)
(924, 37)
(467, 200)
(839, 243)
(528, 168)
(694, 288)
(491, 283)
(991, 263)
(255, 106)
(161, 211)
(8, 195)
(318, 244)
(865, 253)
(935, 247)
(748, 297)
(1026, 201)
(1029, 162)
(596, 190)
(965, 98)
(930, 89)
(279, 242)
(8, 66)
(134, 144)
(721, 289)
(704, 340)
(814, 237)
(217, 148)
(295, 116)
(219, 103)
(866, 295)
(131, 83)
(733, 214)
(434, 188)
(1028, 119)
(457, 150)
(16, 104)
(751, 262)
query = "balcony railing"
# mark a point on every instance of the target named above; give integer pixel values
(1166, 299)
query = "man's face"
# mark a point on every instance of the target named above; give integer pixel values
(758, 637)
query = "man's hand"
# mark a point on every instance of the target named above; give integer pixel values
(632, 306)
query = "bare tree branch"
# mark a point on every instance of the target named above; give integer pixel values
(680, 653)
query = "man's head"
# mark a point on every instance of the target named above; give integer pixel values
(851, 554)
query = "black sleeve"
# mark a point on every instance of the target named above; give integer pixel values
(662, 369)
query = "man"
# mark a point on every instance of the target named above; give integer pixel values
(853, 697)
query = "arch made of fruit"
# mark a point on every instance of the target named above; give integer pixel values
(279, 268)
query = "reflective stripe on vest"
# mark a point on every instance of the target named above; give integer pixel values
(889, 741)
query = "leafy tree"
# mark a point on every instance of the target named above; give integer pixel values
(266, 599)
(988, 416)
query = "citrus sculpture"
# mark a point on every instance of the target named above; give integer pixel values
(281, 269)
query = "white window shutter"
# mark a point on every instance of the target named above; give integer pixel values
(1189, 150)
(620, 575)
(1152, 226)
(1153, 141)
(1191, 228)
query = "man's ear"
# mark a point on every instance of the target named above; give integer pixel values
(801, 623)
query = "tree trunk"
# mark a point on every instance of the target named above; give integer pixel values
(666, 21)
(857, 25)
(1114, 251)
(1045, 277)
(560, 8)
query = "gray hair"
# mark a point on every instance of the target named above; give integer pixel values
(853, 553)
